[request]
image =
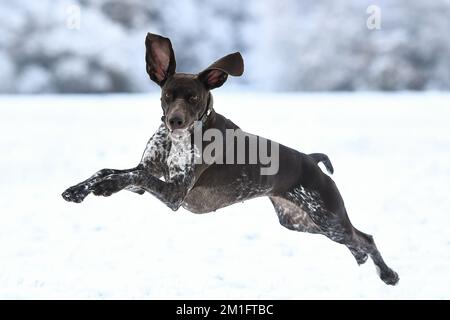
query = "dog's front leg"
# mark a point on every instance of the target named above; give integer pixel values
(171, 193)
(152, 161)
(78, 192)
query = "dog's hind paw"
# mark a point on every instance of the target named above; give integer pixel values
(389, 276)
(75, 193)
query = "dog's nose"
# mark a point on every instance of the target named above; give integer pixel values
(176, 121)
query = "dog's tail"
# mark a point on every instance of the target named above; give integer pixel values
(322, 157)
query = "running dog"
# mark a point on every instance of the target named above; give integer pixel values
(305, 198)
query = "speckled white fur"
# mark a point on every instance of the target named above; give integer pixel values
(309, 199)
(155, 145)
(180, 158)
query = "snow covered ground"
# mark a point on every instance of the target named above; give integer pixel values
(391, 155)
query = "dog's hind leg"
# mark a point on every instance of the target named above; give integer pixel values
(292, 217)
(338, 228)
(301, 209)
(360, 256)
(363, 242)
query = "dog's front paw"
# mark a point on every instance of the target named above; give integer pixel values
(76, 193)
(106, 187)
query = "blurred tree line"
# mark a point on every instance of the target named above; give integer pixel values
(295, 45)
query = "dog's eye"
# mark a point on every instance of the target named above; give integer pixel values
(193, 98)
(167, 95)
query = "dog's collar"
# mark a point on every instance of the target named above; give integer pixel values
(204, 117)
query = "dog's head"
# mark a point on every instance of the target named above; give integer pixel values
(184, 97)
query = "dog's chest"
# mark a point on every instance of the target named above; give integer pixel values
(180, 158)
(173, 155)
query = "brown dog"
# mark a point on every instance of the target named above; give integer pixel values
(304, 198)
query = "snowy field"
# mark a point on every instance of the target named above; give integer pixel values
(391, 155)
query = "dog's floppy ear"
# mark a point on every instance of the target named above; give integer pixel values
(159, 58)
(216, 74)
